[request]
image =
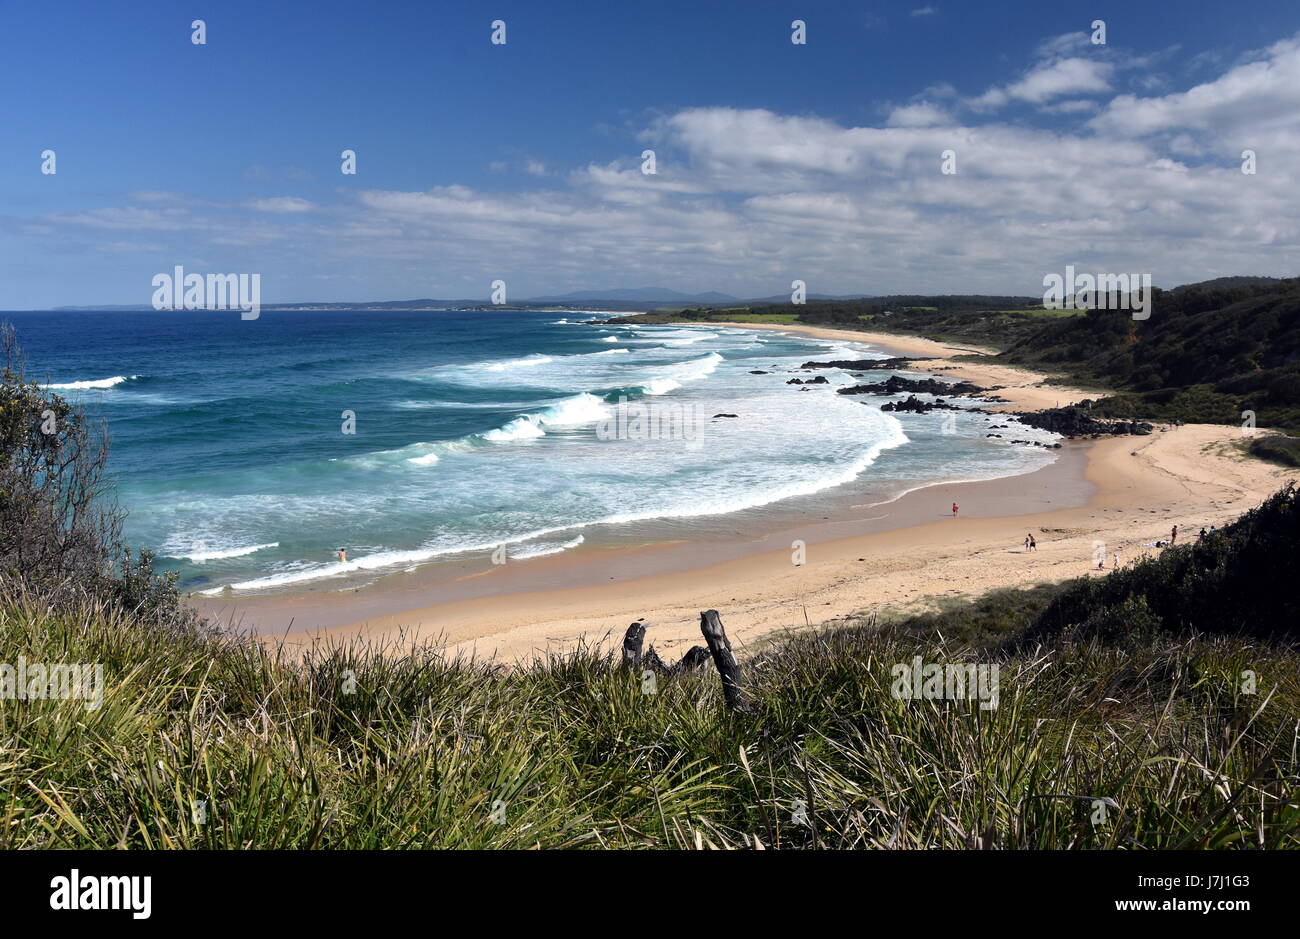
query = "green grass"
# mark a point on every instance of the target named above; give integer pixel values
(785, 318)
(1040, 311)
(573, 751)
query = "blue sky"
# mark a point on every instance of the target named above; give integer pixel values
(521, 162)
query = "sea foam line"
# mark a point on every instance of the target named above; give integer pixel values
(199, 557)
(97, 383)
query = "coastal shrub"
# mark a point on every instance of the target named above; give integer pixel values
(1278, 448)
(60, 531)
(53, 520)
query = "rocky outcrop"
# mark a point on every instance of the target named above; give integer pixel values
(917, 406)
(859, 365)
(819, 380)
(1077, 422)
(895, 385)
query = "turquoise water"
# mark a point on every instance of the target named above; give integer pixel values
(472, 430)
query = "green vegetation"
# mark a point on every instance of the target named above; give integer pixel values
(786, 318)
(1277, 448)
(1206, 354)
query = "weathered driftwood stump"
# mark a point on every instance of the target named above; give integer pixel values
(724, 659)
(632, 644)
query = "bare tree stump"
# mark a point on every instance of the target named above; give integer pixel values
(724, 659)
(632, 640)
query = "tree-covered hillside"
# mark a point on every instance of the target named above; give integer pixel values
(1206, 354)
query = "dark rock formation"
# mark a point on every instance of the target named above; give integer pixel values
(895, 385)
(917, 406)
(1077, 422)
(819, 380)
(859, 364)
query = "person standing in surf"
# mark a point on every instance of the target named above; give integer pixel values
(954, 510)
(343, 555)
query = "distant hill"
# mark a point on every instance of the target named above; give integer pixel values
(637, 295)
(1229, 282)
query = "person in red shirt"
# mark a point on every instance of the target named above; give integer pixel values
(954, 510)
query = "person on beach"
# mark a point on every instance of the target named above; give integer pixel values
(343, 555)
(1173, 535)
(1033, 543)
(954, 510)
(1201, 536)
(1026, 542)
(1117, 562)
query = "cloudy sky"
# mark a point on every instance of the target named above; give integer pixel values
(523, 161)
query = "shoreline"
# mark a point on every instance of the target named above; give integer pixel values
(898, 554)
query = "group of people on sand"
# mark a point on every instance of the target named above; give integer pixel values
(1173, 536)
(1101, 561)
(1031, 543)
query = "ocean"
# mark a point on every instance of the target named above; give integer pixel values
(247, 452)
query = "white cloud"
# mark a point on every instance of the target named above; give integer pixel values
(922, 114)
(1260, 95)
(282, 205)
(1073, 76)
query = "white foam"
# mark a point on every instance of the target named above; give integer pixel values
(528, 362)
(198, 557)
(92, 383)
(521, 428)
(577, 410)
(580, 409)
(545, 548)
(661, 386)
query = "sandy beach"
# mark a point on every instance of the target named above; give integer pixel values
(1113, 495)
